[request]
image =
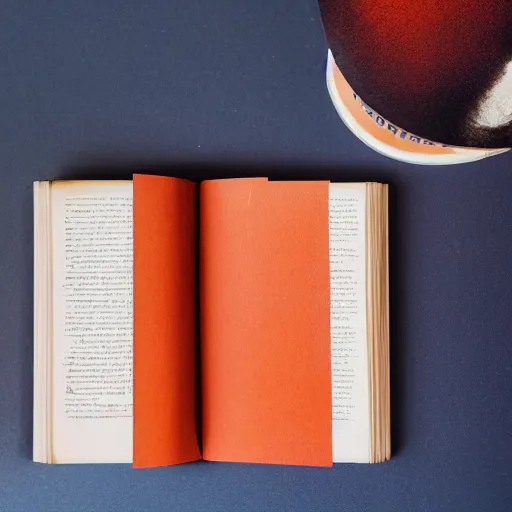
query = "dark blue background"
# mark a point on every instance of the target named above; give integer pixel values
(202, 89)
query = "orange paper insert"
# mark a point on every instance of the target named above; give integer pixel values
(265, 339)
(164, 410)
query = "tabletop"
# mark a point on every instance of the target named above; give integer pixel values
(236, 88)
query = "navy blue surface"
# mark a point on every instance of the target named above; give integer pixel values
(203, 89)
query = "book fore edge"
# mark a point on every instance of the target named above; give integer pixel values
(377, 285)
(43, 323)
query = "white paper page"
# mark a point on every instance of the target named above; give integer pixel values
(93, 321)
(349, 353)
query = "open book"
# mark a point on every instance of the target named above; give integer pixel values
(256, 329)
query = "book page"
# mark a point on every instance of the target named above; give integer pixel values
(93, 326)
(164, 319)
(265, 342)
(349, 353)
